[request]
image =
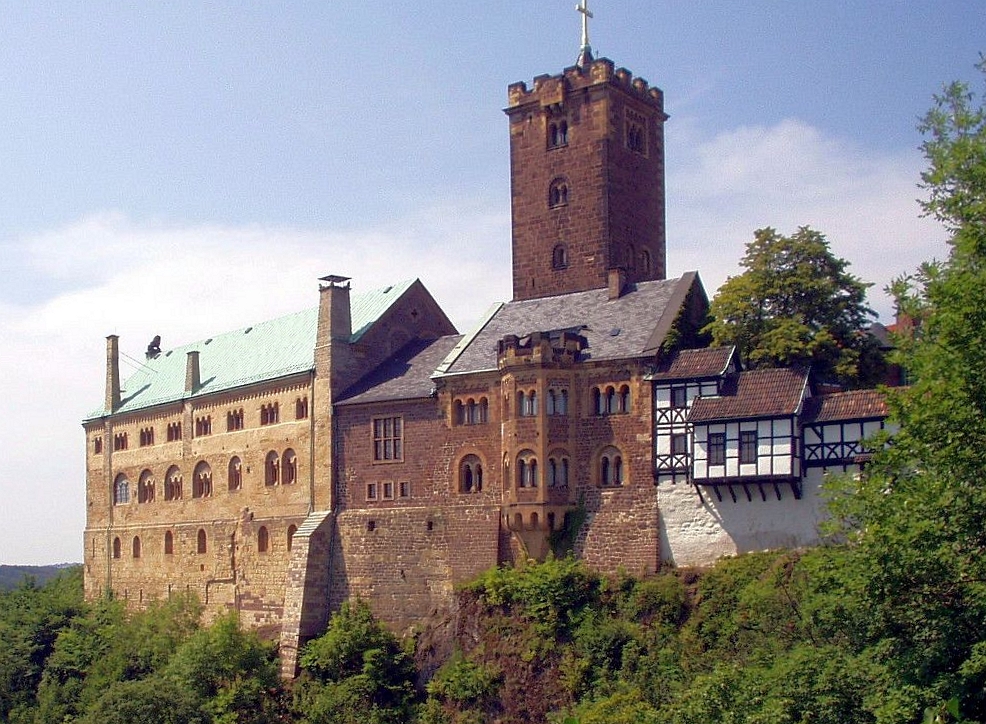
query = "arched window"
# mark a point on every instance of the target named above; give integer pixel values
(612, 401)
(136, 546)
(117, 548)
(269, 414)
(172, 483)
(598, 401)
(624, 402)
(611, 473)
(557, 134)
(471, 474)
(263, 540)
(201, 541)
(121, 490)
(234, 474)
(557, 402)
(459, 413)
(169, 543)
(645, 261)
(289, 467)
(527, 403)
(271, 469)
(292, 529)
(483, 411)
(558, 469)
(558, 193)
(202, 480)
(301, 408)
(145, 487)
(527, 470)
(559, 257)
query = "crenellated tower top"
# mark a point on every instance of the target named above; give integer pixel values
(587, 178)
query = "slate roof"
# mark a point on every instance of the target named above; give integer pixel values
(754, 394)
(630, 326)
(853, 405)
(264, 351)
(694, 364)
(406, 375)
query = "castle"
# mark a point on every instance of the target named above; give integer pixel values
(365, 448)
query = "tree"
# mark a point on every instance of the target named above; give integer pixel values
(917, 520)
(356, 673)
(796, 304)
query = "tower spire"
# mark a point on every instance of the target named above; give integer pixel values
(585, 54)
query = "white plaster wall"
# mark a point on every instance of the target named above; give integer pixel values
(698, 531)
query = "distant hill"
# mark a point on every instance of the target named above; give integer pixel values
(12, 576)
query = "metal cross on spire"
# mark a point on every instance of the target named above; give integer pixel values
(585, 54)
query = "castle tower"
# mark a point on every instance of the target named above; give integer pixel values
(586, 178)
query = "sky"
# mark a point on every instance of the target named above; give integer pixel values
(187, 168)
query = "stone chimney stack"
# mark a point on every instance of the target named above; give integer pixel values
(334, 316)
(112, 373)
(193, 377)
(617, 282)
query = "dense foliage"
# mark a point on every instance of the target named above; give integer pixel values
(796, 304)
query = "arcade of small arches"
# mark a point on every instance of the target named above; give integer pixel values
(556, 402)
(264, 542)
(471, 411)
(279, 469)
(611, 400)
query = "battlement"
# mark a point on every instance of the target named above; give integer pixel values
(560, 347)
(550, 90)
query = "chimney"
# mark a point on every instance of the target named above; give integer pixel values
(192, 376)
(334, 317)
(112, 373)
(617, 281)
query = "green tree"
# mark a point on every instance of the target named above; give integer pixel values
(796, 303)
(917, 521)
(356, 673)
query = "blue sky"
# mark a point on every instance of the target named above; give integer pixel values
(184, 168)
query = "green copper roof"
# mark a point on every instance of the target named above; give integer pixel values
(264, 351)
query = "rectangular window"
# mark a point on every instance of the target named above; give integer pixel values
(679, 444)
(717, 448)
(404, 489)
(679, 397)
(388, 439)
(371, 491)
(388, 491)
(748, 447)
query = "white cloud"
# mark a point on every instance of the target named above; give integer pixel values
(791, 175)
(184, 283)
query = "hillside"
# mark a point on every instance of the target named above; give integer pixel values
(13, 576)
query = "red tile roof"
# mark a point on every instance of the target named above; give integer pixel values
(693, 363)
(756, 393)
(854, 405)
